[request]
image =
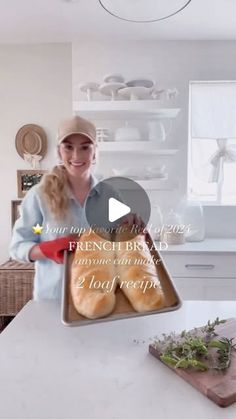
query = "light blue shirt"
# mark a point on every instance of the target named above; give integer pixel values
(34, 210)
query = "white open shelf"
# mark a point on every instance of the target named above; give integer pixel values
(124, 109)
(128, 110)
(146, 147)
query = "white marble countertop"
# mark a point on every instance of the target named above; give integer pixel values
(50, 371)
(207, 245)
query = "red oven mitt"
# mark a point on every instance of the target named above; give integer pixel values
(54, 249)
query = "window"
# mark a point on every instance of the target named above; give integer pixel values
(212, 142)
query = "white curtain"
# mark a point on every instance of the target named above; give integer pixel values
(213, 117)
(213, 110)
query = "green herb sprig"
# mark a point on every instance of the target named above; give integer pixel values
(224, 348)
(199, 349)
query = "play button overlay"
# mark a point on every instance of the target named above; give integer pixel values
(117, 209)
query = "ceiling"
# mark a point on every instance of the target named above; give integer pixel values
(39, 21)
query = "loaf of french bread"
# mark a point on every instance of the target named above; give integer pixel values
(138, 279)
(92, 284)
(127, 264)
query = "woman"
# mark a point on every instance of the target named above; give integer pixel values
(58, 205)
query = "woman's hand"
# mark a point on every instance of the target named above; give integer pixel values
(54, 249)
(134, 220)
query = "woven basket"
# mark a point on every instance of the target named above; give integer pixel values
(16, 286)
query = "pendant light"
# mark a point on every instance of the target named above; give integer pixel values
(143, 11)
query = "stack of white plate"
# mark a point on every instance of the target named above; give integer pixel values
(103, 134)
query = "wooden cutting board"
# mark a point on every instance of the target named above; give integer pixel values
(218, 386)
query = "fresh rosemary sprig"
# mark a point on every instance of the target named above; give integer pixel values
(196, 349)
(224, 348)
(209, 329)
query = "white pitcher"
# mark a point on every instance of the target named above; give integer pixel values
(157, 131)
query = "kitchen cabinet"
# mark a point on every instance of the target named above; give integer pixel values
(205, 288)
(212, 265)
(204, 270)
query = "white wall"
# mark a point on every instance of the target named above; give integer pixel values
(35, 87)
(171, 64)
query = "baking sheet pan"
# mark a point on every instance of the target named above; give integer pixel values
(123, 309)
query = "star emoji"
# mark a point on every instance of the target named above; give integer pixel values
(37, 229)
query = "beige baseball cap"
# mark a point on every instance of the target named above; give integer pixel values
(76, 125)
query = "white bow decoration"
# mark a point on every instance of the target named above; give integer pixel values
(33, 160)
(224, 154)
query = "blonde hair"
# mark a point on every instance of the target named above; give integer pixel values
(54, 186)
